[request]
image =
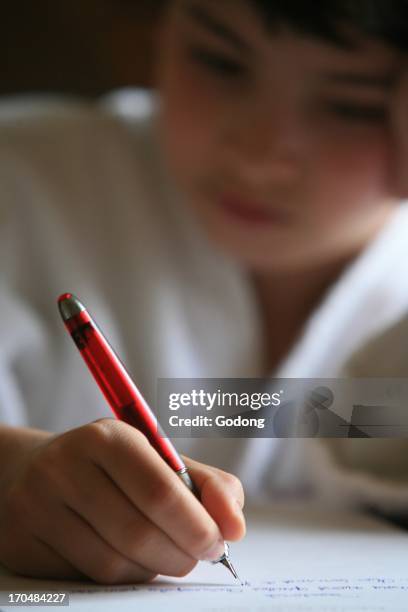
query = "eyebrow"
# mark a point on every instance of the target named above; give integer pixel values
(378, 81)
(217, 27)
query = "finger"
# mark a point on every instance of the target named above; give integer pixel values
(223, 497)
(20, 550)
(23, 553)
(157, 491)
(119, 523)
(87, 552)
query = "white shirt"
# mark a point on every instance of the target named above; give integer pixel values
(86, 206)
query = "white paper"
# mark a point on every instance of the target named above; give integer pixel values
(291, 559)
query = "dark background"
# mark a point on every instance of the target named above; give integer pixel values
(76, 46)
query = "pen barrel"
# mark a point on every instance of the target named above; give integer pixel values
(121, 393)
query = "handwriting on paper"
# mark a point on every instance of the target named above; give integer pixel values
(280, 588)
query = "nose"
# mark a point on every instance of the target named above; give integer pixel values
(263, 142)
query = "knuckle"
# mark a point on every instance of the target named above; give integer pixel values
(234, 484)
(230, 480)
(99, 431)
(98, 436)
(43, 469)
(110, 431)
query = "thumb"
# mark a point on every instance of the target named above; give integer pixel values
(222, 496)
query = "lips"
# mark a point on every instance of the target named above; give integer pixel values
(251, 211)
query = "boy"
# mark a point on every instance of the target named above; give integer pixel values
(230, 231)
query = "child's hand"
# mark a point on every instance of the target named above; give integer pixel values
(400, 125)
(99, 502)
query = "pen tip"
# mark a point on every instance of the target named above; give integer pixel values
(69, 306)
(227, 563)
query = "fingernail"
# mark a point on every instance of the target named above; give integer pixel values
(214, 552)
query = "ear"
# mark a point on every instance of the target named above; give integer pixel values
(399, 121)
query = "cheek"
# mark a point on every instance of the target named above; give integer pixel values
(188, 122)
(355, 169)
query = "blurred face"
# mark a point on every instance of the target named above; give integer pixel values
(280, 142)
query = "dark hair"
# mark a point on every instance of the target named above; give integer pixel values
(332, 20)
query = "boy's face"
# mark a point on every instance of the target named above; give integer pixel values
(281, 143)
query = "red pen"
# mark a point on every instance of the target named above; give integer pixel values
(120, 391)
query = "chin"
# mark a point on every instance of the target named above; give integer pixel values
(253, 256)
(252, 246)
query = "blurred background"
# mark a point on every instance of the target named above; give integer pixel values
(82, 47)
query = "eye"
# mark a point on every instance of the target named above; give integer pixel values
(359, 112)
(216, 62)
